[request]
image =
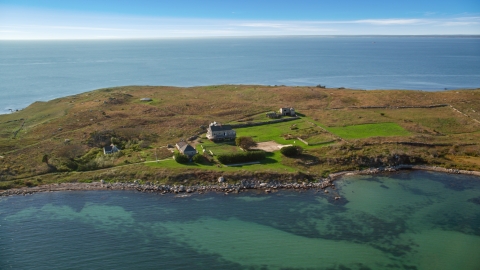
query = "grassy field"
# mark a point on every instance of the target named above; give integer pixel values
(218, 148)
(369, 130)
(67, 125)
(272, 132)
(320, 139)
(306, 128)
(272, 163)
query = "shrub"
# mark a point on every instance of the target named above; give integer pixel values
(207, 157)
(291, 151)
(181, 158)
(28, 183)
(70, 165)
(70, 151)
(198, 158)
(245, 142)
(5, 185)
(241, 157)
(144, 144)
(91, 155)
(45, 158)
(89, 166)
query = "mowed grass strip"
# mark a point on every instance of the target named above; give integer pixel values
(270, 132)
(369, 130)
(218, 148)
(272, 163)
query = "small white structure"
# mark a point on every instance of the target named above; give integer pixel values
(287, 112)
(219, 132)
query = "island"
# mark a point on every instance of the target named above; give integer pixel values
(243, 136)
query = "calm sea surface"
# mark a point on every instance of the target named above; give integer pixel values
(43, 70)
(414, 220)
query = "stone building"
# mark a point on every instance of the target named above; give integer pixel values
(287, 112)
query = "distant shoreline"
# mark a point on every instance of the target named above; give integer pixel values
(7, 111)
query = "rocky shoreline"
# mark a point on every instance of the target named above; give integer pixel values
(403, 167)
(174, 189)
(224, 187)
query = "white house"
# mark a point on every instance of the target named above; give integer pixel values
(219, 132)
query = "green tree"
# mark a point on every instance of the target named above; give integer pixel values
(245, 142)
(181, 158)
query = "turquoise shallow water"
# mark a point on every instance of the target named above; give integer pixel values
(408, 220)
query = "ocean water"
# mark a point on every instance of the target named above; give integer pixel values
(407, 220)
(42, 70)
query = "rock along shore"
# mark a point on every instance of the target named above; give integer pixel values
(225, 188)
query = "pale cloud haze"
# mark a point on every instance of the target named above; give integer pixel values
(17, 23)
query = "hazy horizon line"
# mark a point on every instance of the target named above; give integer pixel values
(246, 36)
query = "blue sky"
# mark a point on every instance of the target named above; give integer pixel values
(87, 19)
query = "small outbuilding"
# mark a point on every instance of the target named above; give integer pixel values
(287, 112)
(273, 115)
(186, 149)
(110, 149)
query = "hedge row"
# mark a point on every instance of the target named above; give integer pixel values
(248, 156)
(183, 159)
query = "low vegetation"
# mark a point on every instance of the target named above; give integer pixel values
(242, 157)
(369, 130)
(245, 142)
(338, 129)
(291, 151)
(181, 158)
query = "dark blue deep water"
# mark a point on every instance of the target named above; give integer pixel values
(43, 70)
(408, 220)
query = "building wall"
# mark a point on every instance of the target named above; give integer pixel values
(221, 134)
(190, 153)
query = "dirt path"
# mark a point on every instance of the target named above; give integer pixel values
(269, 146)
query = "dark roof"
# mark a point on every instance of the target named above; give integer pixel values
(187, 148)
(180, 144)
(221, 128)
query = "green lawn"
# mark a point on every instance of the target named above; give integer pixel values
(369, 130)
(271, 132)
(320, 138)
(271, 163)
(218, 148)
(275, 132)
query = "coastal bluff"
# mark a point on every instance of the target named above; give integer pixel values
(338, 130)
